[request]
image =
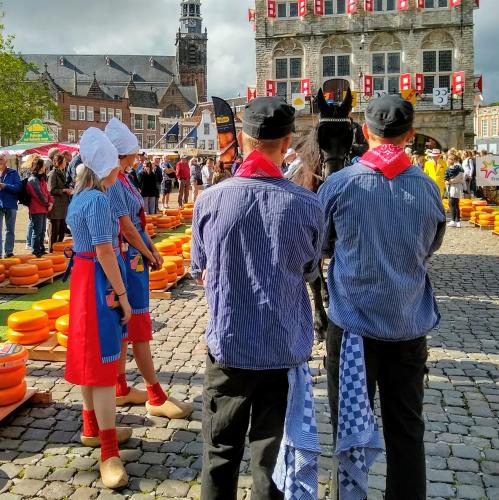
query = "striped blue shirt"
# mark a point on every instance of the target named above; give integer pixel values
(381, 233)
(124, 202)
(90, 220)
(259, 240)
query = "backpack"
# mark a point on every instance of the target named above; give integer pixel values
(24, 197)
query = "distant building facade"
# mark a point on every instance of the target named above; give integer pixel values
(335, 50)
(487, 129)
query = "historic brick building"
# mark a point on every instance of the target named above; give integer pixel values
(487, 129)
(317, 40)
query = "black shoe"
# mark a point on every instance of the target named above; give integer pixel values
(9, 255)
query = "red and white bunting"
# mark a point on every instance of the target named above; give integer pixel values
(369, 5)
(251, 93)
(319, 7)
(351, 6)
(305, 86)
(302, 8)
(368, 85)
(270, 88)
(419, 82)
(402, 4)
(272, 8)
(458, 82)
(478, 84)
(405, 81)
(454, 3)
(251, 15)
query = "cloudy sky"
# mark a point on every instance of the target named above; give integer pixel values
(127, 27)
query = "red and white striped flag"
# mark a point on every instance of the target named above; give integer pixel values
(302, 8)
(270, 88)
(369, 5)
(305, 86)
(405, 81)
(458, 82)
(368, 85)
(271, 8)
(351, 6)
(419, 82)
(402, 4)
(319, 7)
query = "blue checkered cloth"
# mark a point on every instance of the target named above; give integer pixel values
(295, 472)
(358, 442)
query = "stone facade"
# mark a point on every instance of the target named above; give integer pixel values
(322, 42)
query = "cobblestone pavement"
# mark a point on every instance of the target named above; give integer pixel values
(40, 456)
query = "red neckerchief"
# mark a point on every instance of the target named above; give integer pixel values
(258, 165)
(142, 213)
(389, 159)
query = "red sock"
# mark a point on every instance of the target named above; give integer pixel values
(108, 444)
(122, 388)
(156, 394)
(90, 425)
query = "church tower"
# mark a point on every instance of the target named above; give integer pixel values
(192, 48)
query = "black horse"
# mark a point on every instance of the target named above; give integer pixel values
(327, 149)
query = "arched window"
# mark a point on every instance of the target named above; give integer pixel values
(172, 111)
(336, 53)
(437, 59)
(288, 68)
(193, 54)
(386, 63)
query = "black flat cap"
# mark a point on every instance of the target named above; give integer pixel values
(268, 118)
(389, 116)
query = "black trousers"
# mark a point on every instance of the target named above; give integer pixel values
(398, 368)
(57, 231)
(455, 212)
(231, 398)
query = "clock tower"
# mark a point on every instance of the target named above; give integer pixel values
(192, 44)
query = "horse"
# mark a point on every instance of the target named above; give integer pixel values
(326, 150)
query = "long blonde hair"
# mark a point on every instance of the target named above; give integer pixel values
(86, 179)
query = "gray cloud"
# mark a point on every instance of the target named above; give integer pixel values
(148, 27)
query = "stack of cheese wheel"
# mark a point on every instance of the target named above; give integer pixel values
(166, 247)
(62, 329)
(13, 358)
(177, 241)
(496, 223)
(58, 261)
(486, 219)
(24, 258)
(175, 213)
(28, 327)
(2, 273)
(150, 229)
(473, 216)
(24, 274)
(8, 263)
(165, 222)
(466, 208)
(177, 260)
(186, 251)
(187, 214)
(171, 271)
(188, 231)
(45, 267)
(58, 248)
(54, 309)
(158, 280)
(61, 295)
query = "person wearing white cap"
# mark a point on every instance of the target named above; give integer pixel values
(127, 206)
(435, 168)
(99, 307)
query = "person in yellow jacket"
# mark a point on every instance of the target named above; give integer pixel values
(435, 168)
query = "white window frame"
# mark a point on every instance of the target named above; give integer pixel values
(336, 75)
(73, 112)
(103, 115)
(485, 127)
(384, 6)
(386, 76)
(211, 145)
(437, 7)
(151, 141)
(437, 73)
(288, 3)
(139, 138)
(118, 114)
(290, 81)
(201, 144)
(207, 128)
(71, 136)
(110, 114)
(334, 5)
(82, 110)
(135, 122)
(80, 133)
(90, 114)
(494, 127)
(149, 122)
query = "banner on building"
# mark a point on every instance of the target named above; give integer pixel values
(454, 3)
(478, 84)
(302, 8)
(419, 82)
(458, 82)
(305, 86)
(402, 4)
(298, 101)
(420, 4)
(368, 85)
(271, 8)
(251, 15)
(405, 81)
(487, 171)
(351, 6)
(270, 88)
(171, 137)
(36, 132)
(319, 7)
(251, 93)
(441, 96)
(226, 128)
(369, 5)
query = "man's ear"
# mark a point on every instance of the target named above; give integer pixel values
(286, 144)
(240, 140)
(410, 135)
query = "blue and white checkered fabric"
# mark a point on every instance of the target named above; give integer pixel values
(358, 442)
(295, 472)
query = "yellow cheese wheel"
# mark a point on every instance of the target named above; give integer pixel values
(62, 339)
(159, 275)
(24, 258)
(60, 268)
(178, 244)
(171, 277)
(28, 338)
(172, 211)
(13, 377)
(61, 295)
(26, 321)
(21, 270)
(13, 394)
(169, 267)
(12, 357)
(53, 308)
(166, 246)
(2, 268)
(188, 231)
(24, 280)
(62, 324)
(2, 277)
(189, 205)
(11, 261)
(56, 258)
(158, 285)
(186, 255)
(43, 263)
(46, 273)
(186, 247)
(58, 248)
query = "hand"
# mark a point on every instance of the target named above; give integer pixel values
(202, 280)
(126, 308)
(51, 206)
(68, 191)
(158, 259)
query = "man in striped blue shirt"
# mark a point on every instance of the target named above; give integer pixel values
(256, 240)
(385, 219)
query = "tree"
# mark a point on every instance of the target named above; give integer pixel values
(21, 99)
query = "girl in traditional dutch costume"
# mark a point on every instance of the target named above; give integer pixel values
(127, 206)
(99, 309)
